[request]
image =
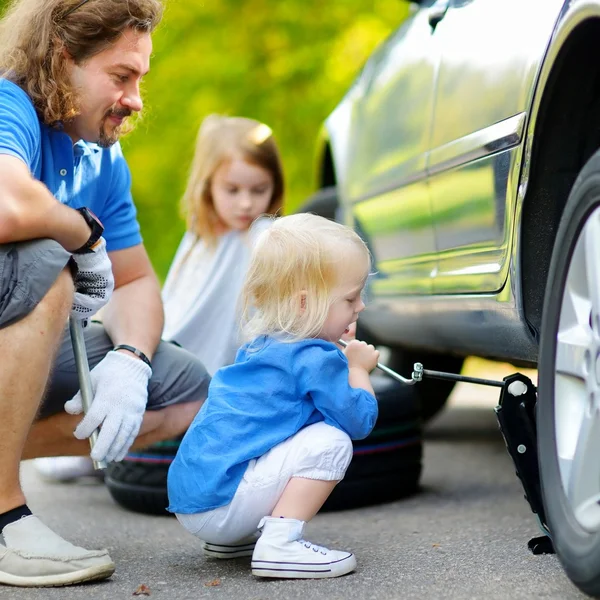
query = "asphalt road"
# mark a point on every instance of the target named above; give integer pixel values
(464, 536)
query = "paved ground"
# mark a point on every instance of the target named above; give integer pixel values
(463, 537)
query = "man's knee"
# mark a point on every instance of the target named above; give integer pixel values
(34, 275)
(166, 423)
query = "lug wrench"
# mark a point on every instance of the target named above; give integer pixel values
(419, 372)
(83, 373)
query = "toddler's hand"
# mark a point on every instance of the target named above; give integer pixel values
(362, 355)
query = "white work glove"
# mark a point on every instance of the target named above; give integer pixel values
(120, 389)
(94, 282)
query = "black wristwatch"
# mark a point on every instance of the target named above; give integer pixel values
(97, 230)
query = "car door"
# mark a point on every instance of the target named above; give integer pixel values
(385, 179)
(490, 51)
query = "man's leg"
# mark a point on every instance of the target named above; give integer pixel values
(54, 436)
(36, 292)
(177, 388)
(27, 348)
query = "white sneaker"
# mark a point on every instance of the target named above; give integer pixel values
(282, 552)
(32, 555)
(223, 551)
(66, 468)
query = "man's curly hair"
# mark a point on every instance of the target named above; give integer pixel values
(36, 34)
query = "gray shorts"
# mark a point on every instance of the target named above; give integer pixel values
(177, 375)
(27, 271)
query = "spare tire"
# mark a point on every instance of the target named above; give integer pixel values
(386, 465)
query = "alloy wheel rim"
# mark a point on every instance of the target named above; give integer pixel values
(577, 379)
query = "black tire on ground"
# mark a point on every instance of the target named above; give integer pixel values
(323, 203)
(386, 465)
(578, 550)
(430, 394)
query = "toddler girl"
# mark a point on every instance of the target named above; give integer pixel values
(274, 436)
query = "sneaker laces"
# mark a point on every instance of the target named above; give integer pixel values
(313, 547)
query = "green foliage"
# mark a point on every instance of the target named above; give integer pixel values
(284, 62)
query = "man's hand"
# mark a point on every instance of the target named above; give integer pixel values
(94, 282)
(120, 388)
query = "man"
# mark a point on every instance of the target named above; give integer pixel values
(71, 72)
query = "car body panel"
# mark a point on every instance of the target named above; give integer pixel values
(491, 55)
(388, 190)
(468, 299)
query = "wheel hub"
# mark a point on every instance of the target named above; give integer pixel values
(577, 382)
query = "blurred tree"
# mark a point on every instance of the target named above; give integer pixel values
(285, 63)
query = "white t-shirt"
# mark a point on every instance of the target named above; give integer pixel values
(201, 295)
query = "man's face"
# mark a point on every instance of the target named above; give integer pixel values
(108, 85)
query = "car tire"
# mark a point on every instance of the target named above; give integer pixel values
(386, 465)
(323, 203)
(431, 395)
(564, 393)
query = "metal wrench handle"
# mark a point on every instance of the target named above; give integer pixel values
(388, 371)
(83, 372)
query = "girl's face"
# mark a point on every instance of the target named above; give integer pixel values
(346, 303)
(241, 191)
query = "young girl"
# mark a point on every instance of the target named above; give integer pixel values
(274, 436)
(235, 177)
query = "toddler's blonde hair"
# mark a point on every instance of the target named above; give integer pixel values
(302, 252)
(225, 138)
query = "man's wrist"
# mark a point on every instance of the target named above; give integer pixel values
(68, 227)
(133, 351)
(96, 231)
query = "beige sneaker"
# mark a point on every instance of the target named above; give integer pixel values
(32, 555)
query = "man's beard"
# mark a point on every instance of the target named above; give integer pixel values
(107, 139)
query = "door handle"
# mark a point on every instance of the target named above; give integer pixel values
(437, 12)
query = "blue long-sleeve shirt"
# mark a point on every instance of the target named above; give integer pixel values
(272, 391)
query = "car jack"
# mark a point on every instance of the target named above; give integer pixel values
(516, 416)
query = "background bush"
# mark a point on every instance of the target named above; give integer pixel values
(284, 62)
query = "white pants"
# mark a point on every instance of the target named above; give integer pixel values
(318, 451)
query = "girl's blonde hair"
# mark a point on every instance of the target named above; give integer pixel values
(298, 253)
(220, 139)
(34, 35)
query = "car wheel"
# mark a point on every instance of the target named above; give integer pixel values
(386, 465)
(568, 407)
(431, 395)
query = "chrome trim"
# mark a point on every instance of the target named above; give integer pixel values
(491, 140)
(479, 144)
(393, 185)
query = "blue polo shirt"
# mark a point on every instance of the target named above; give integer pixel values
(81, 174)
